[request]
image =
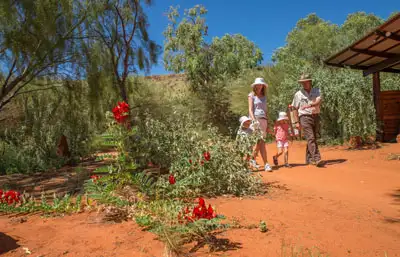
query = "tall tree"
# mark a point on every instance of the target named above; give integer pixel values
(207, 65)
(121, 26)
(356, 26)
(186, 50)
(37, 41)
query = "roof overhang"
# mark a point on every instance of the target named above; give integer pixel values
(377, 51)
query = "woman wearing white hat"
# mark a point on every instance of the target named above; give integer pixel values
(258, 113)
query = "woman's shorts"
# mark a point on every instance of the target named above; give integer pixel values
(263, 125)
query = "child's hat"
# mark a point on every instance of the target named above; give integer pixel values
(243, 119)
(282, 116)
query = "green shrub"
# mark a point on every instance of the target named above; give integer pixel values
(28, 204)
(32, 146)
(161, 218)
(177, 139)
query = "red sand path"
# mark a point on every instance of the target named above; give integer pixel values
(348, 208)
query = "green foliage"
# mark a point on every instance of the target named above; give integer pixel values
(103, 191)
(263, 226)
(311, 40)
(28, 204)
(38, 41)
(122, 44)
(356, 25)
(45, 117)
(186, 50)
(144, 183)
(161, 218)
(209, 67)
(347, 108)
(175, 140)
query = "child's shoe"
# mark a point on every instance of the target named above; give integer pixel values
(275, 160)
(254, 164)
(287, 165)
(267, 167)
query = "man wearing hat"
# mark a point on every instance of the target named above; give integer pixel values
(308, 101)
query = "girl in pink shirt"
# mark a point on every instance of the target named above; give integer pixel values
(281, 130)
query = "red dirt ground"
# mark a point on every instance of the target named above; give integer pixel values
(348, 208)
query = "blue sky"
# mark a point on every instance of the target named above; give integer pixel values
(264, 22)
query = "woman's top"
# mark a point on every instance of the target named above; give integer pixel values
(259, 106)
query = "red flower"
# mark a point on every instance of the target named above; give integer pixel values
(196, 211)
(171, 179)
(124, 106)
(210, 212)
(10, 197)
(200, 211)
(94, 178)
(121, 112)
(202, 203)
(207, 156)
(190, 161)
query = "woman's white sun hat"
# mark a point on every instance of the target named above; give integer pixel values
(259, 81)
(243, 119)
(282, 116)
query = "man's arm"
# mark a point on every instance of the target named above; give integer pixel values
(295, 103)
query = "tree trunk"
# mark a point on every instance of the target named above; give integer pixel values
(124, 95)
(122, 89)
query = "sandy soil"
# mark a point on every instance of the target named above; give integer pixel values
(348, 208)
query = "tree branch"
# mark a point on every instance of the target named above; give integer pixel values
(35, 90)
(10, 73)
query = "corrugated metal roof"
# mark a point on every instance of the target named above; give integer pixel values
(377, 51)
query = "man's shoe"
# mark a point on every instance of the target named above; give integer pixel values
(319, 163)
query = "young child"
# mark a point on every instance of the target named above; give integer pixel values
(281, 130)
(244, 133)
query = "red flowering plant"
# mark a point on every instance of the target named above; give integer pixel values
(95, 178)
(172, 179)
(200, 211)
(119, 134)
(205, 163)
(10, 197)
(121, 112)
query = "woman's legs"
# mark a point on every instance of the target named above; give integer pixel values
(263, 151)
(260, 147)
(256, 149)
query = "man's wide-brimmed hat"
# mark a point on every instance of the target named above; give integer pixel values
(259, 81)
(305, 77)
(283, 116)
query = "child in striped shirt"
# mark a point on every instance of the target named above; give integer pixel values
(282, 133)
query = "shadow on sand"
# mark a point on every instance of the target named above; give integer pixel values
(7, 243)
(396, 196)
(216, 245)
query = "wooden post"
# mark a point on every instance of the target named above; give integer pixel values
(378, 107)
